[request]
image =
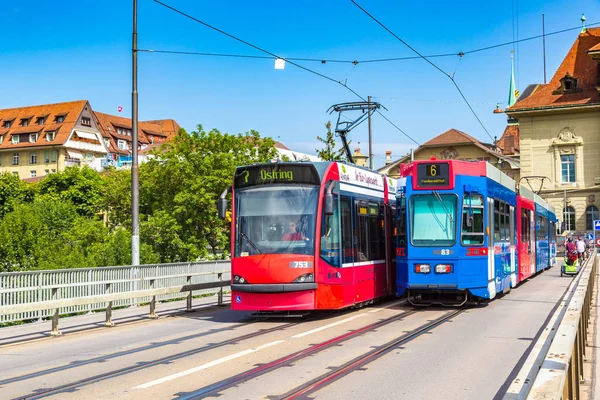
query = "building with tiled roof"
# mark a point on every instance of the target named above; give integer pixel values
(117, 136)
(38, 140)
(457, 145)
(559, 134)
(42, 139)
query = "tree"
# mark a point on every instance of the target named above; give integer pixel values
(328, 153)
(180, 188)
(82, 187)
(12, 192)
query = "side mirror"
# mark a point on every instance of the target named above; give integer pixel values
(328, 204)
(222, 208)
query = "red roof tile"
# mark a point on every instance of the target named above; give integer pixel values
(509, 142)
(581, 66)
(71, 110)
(451, 136)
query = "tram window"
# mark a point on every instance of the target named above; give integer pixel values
(472, 232)
(376, 233)
(525, 230)
(497, 233)
(401, 232)
(348, 253)
(362, 231)
(330, 236)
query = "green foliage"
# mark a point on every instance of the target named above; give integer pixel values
(13, 191)
(328, 152)
(82, 187)
(55, 223)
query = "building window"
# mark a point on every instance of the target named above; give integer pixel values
(33, 137)
(53, 170)
(567, 165)
(40, 120)
(33, 173)
(569, 218)
(15, 173)
(33, 158)
(53, 157)
(591, 214)
(46, 171)
(7, 124)
(50, 136)
(15, 139)
(15, 159)
(59, 119)
(87, 121)
(90, 157)
(122, 145)
(25, 121)
(1, 139)
(107, 142)
(47, 156)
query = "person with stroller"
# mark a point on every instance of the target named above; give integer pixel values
(571, 251)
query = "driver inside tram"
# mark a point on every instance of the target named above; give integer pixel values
(292, 233)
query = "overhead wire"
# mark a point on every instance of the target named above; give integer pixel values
(428, 61)
(356, 61)
(278, 57)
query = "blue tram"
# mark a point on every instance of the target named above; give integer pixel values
(457, 236)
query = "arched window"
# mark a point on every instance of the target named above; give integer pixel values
(591, 214)
(569, 218)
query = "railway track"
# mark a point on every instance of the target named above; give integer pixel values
(360, 361)
(256, 372)
(41, 393)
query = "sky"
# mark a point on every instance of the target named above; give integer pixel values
(64, 50)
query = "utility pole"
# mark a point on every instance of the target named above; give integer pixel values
(135, 206)
(370, 138)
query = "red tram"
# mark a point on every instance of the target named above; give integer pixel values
(310, 236)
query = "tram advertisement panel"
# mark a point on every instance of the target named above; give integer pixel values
(433, 175)
(275, 174)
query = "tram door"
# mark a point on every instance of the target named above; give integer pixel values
(490, 238)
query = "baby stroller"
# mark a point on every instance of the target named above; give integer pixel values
(570, 264)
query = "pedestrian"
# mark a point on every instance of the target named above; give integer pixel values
(580, 248)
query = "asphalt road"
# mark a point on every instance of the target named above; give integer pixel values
(469, 357)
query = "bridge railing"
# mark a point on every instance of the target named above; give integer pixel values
(51, 293)
(554, 368)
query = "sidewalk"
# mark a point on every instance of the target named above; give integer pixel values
(591, 388)
(69, 325)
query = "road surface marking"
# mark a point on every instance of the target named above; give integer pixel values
(327, 326)
(207, 365)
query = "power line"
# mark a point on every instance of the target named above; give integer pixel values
(276, 56)
(431, 63)
(376, 60)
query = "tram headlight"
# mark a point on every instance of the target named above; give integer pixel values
(422, 268)
(239, 279)
(305, 278)
(443, 268)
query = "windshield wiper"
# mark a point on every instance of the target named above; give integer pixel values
(439, 198)
(250, 242)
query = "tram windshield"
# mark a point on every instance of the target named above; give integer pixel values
(433, 220)
(276, 219)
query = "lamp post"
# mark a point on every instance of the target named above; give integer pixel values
(135, 224)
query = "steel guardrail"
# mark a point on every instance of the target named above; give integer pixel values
(35, 295)
(554, 368)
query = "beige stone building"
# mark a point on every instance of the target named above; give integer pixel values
(39, 140)
(559, 134)
(455, 144)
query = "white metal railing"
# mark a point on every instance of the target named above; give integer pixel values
(38, 294)
(554, 368)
